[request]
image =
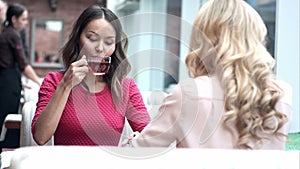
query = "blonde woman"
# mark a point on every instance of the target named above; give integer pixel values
(233, 100)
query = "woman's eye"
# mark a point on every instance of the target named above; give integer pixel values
(109, 43)
(93, 39)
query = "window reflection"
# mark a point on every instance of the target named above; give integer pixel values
(47, 39)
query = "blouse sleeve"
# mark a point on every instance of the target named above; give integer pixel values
(164, 129)
(136, 112)
(46, 92)
(18, 51)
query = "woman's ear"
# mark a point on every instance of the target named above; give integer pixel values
(14, 19)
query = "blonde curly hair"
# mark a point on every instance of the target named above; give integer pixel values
(228, 40)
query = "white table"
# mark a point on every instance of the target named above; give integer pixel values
(115, 158)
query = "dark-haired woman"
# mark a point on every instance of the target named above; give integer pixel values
(13, 64)
(79, 107)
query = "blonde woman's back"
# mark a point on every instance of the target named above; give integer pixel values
(245, 107)
(206, 128)
(193, 116)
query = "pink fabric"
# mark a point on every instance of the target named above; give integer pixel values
(192, 116)
(90, 118)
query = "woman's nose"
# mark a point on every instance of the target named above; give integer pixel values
(100, 47)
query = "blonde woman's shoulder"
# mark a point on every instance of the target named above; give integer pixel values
(286, 90)
(202, 87)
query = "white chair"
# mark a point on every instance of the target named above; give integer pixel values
(28, 110)
(25, 131)
(11, 121)
(26, 138)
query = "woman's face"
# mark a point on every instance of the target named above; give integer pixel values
(20, 22)
(3, 8)
(97, 39)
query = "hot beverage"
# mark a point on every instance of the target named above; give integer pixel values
(99, 67)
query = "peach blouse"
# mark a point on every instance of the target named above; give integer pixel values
(192, 116)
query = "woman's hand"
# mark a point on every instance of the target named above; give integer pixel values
(76, 72)
(128, 142)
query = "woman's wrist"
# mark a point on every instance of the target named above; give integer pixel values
(64, 87)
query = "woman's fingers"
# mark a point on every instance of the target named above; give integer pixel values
(76, 72)
(81, 62)
(83, 69)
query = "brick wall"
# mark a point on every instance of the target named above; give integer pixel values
(67, 11)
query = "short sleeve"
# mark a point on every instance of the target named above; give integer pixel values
(15, 43)
(46, 92)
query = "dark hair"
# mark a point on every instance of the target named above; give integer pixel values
(16, 10)
(120, 65)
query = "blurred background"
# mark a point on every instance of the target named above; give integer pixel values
(159, 33)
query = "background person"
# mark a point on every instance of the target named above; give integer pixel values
(233, 100)
(80, 108)
(3, 8)
(12, 65)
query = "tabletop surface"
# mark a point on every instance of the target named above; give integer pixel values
(74, 157)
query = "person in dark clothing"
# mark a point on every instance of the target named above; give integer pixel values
(3, 8)
(12, 64)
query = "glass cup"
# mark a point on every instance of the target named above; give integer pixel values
(99, 66)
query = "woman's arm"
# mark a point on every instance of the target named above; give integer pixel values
(163, 129)
(136, 112)
(47, 121)
(30, 73)
(15, 43)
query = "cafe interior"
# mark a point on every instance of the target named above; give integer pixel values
(157, 55)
